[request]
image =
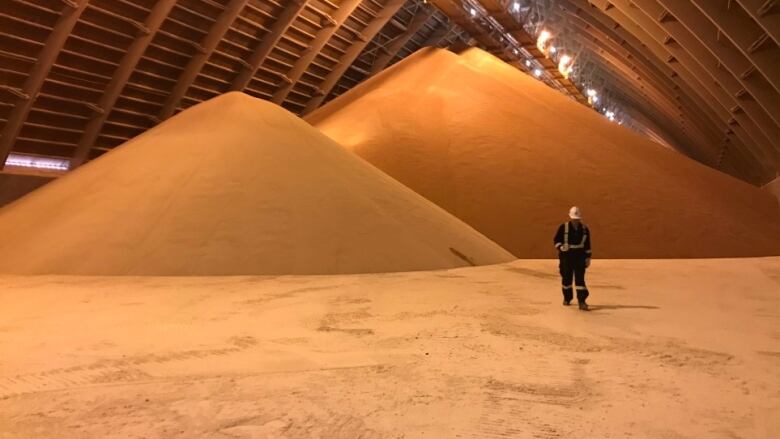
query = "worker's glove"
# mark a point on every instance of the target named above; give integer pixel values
(587, 263)
(564, 248)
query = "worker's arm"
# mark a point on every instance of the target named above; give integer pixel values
(558, 240)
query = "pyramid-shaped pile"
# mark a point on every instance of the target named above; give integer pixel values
(508, 155)
(235, 185)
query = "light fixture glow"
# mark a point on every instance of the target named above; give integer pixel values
(553, 49)
(537, 73)
(592, 98)
(516, 6)
(543, 41)
(565, 65)
(528, 63)
(473, 12)
(34, 162)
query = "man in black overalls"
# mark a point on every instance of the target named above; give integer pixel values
(573, 243)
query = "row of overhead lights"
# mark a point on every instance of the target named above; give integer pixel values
(515, 8)
(565, 66)
(544, 44)
(35, 162)
(565, 61)
(593, 99)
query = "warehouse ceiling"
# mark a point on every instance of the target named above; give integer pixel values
(79, 77)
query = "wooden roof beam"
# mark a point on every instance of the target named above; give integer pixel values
(668, 50)
(393, 47)
(653, 38)
(757, 123)
(638, 65)
(390, 9)
(440, 33)
(120, 78)
(650, 56)
(32, 85)
(261, 52)
(321, 38)
(194, 66)
(735, 23)
(626, 80)
(760, 10)
(733, 60)
(454, 11)
(501, 14)
(688, 62)
(654, 65)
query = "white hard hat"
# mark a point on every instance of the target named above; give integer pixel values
(574, 213)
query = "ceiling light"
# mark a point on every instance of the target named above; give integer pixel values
(30, 161)
(565, 65)
(543, 41)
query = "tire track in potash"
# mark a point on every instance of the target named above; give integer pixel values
(521, 409)
(102, 372)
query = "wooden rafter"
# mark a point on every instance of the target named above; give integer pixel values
(754, 118)
(500, 12)
(32, 86)
(207, 47)
(733, 61)
(391, 50)
(438, 35)
(747, 36)
(267, 44)
(687, 67)
(604, 28)
(760, 11)
(321, 38)
(597, 38)
(370, 31)
(122, 74)
(454, 10)
(704, 70)
(667, 54)
(623, 77)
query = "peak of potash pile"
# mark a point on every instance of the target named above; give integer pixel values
(509, 155)
(237, 186)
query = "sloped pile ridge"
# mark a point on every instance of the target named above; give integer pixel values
(509, 156)
(233, 186)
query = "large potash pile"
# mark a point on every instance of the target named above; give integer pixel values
(509, 155)
(233, 186)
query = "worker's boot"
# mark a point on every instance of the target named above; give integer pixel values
(566, 302)
(583, 305)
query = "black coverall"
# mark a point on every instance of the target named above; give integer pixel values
(572, 261)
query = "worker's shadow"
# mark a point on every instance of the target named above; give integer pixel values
(608, 307)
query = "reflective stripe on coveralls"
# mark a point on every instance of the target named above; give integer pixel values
(566, 238)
